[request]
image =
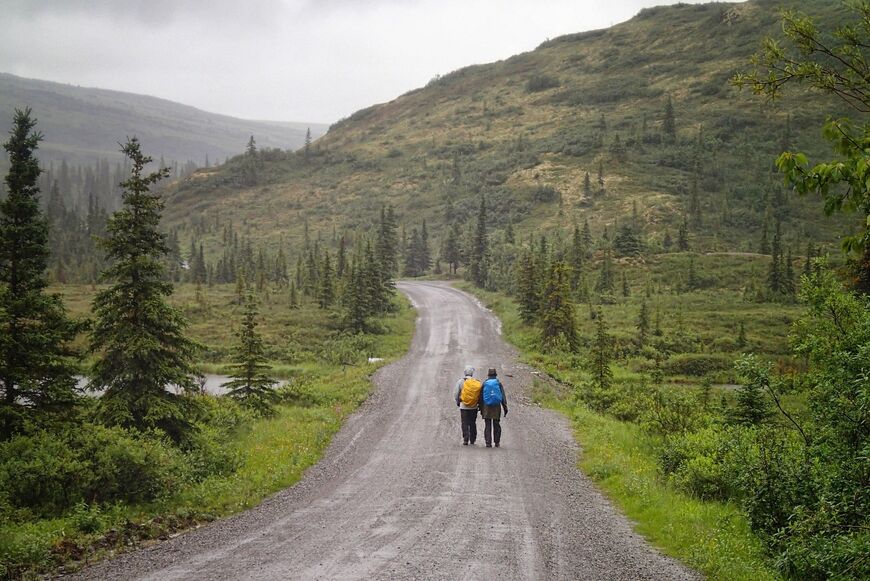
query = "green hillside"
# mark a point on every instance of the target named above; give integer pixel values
(84, 125)
(525, 131)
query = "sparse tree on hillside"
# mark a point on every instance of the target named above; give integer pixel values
(452, 253)
(558, 326)
(587, 236)
(36, 360)
(605, 284)
(307, 144)
(601, 189)
(683, 235)
(669, 124)
(137, 336)
(326, 291)
(528, 288)
(477, 263)
(642, 325)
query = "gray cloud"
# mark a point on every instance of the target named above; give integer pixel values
(304, 60)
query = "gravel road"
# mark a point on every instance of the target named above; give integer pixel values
(397, 496)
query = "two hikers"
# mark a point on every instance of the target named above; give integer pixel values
(489, 398)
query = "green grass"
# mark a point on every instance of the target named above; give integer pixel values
(711, 537)
(621, 457)
(275, 454)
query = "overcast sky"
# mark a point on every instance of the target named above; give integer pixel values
(283, 60)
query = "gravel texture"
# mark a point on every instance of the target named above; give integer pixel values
(397, 495)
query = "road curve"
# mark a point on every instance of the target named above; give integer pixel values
(396, 496)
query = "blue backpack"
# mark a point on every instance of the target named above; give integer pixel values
(492, 394)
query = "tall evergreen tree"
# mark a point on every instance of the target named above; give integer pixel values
(326, 290)
(479, 256)
(683, 235)
(605, 284)
(452, 252)
(528, 288)
(669, 124)
(387, 244)
(36, 361)
(587, 236)
(576, 257)
(642, 324)
(601, 355)
(250, 384)
(138, 337)
(558, 326)
(775, 273)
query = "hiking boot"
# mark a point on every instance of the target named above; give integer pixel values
(464, 442)
(496, 444)
(489, 445)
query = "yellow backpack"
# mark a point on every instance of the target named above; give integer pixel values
(470, 393)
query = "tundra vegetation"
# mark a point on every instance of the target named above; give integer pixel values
(626, 210)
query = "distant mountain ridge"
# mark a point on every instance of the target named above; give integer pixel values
(83, 125)
(572, 131)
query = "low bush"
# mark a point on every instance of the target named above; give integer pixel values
(49, 473)
(697, 364)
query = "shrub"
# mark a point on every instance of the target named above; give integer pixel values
(709, 463)
(49, 473)
(697, 364)
(538, 83)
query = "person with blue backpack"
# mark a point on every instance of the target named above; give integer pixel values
(493, 400)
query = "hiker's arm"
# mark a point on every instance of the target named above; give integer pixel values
(457, 392)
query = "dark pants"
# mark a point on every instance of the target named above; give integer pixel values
(469, 425)
(492, 431)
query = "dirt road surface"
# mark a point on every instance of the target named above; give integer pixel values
(397, 496)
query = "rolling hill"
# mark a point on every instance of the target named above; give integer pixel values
(84, 125)
(526, 131)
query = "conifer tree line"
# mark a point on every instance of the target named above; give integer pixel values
(144, 362)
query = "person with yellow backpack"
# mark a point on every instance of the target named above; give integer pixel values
(467, 396)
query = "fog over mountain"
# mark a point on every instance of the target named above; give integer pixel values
(280, 59)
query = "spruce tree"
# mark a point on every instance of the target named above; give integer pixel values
(601, 189)
(669, 125)
(692, 281)
(326, 291)
(642, 324)
(764, 247)
(36, 362)
(605, 284)
(138, 337)
(601, 355)
(294, 296)
(587, 236)
(250, 384)
(753, 407)
(387, 244)
(558, 326)
(528, 289)
(577, 257)
(452, 254)
(775, 274)
(478, 256)
(683, 236)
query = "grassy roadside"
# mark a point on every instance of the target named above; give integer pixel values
(711, 537)
(273, 454)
